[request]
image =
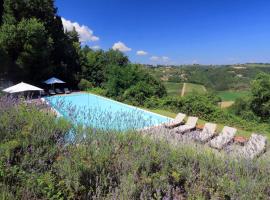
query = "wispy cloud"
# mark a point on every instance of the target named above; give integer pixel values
(154, 58)
(164, 59)
(121, 47)
(194, 62)
(85, 33)
(141, 53)
(95, 47)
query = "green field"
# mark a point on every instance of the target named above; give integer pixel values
(194, 88)
(232, 95)
(173, 89)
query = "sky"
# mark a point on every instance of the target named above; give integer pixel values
(174, 31)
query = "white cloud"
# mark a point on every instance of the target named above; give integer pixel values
(194, 62)
(165, 58)
(160, 59)
(154, 58)
(141, 53)
(121, 47)
(96, 47)
(85, 33)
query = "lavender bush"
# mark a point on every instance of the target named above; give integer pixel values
(36, 163)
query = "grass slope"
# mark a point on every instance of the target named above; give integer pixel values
(194, 88)
(173, 89)
(232, 95)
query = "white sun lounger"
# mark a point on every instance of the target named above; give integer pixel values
(58, 91)
(52, 92)
(176, 121)
(207, 132)
(254, 147)
(223, 138)
(191, 124)
(67, 91)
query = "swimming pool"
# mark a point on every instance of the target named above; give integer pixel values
(103, 113)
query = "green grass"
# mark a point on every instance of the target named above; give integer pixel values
(194, 88)
(232, 95)
(173, 89)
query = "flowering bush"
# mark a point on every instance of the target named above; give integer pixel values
(36, 162)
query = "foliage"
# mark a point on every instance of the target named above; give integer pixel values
(260, 102)
(85, 85)
(28, 45)
(97, 64)
(36, 163)
(98, 91)
(31, 140)
(217, 78)
(206, 107)
(33, 44)
(111, 71)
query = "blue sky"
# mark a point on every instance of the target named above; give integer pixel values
(174, 31)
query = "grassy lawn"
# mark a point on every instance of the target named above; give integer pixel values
(232, 95)
(173, 89)
(194, 88)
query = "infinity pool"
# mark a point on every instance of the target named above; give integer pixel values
(103, 113)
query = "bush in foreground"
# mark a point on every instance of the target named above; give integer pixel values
(35, 163)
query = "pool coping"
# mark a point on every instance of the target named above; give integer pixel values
(78, 93)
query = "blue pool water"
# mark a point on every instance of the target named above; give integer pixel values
(102, 113)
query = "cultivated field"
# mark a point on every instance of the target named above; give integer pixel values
(232, 95)
(173, 89)
(193, 88)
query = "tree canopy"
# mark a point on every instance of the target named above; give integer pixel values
(260, 102)
(33, 42)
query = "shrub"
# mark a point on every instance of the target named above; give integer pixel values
(84, 85)
(138, 93)
(36, 163)
(260, 100)
(204, 107)
(98, 91)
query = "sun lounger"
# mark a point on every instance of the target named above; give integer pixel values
(207, 132)
(223, 138)
(67, 91)
(190, 125)
(52, 92)
(176, 121)
(58, 91)
(254, 147)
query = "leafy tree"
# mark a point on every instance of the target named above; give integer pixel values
(94, 67)
(84, 84)
(98, 64)
(260, 102)
(62, 50)
(28, 46)
(1, 11)
(139, 93)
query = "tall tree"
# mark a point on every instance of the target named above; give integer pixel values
(260, 103)
(29, 46)
(62, 51)
(1, 10)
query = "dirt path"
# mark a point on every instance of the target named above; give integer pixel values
(183, 90)
(204, 89)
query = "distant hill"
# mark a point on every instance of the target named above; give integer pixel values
(213, 77)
